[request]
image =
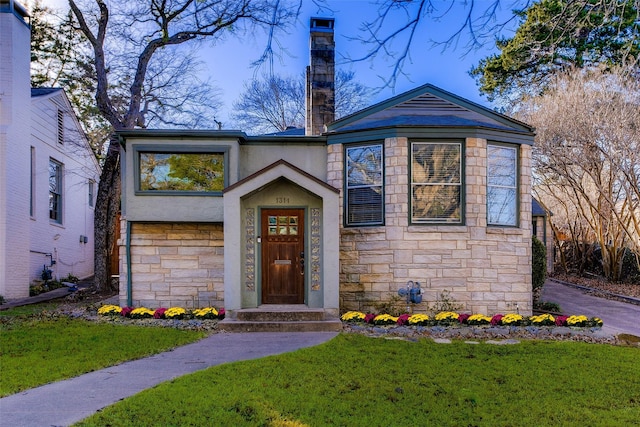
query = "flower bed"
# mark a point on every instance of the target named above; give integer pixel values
(449, 318)
(506, 328)
(171, 313)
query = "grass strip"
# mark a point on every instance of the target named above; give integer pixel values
(34, 352)
(360, 381)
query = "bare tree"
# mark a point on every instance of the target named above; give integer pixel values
(128, 41)
(586, 160)
(275, 103)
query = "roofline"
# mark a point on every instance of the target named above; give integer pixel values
(274, 165)
(177, 133)
(298, 139)
(484, 132)
(54, 91)
(434, 90)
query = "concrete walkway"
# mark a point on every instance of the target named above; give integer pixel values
(618, 317)
(66, 402)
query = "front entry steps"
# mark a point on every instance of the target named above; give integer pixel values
(280, 318)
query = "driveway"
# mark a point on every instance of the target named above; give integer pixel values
(618, 317)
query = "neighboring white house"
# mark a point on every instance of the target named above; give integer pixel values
(48, 173)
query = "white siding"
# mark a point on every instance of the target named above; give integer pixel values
(14, 156)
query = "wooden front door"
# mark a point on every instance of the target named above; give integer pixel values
(282, 256)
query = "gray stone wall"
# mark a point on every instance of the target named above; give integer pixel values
(174, 264)
(485, 269)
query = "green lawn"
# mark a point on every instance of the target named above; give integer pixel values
(359, 381)
(35, 349)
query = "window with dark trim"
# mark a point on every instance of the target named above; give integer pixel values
(436, 183)
(181, 172)
(502, 185)
(364, 200)
(55, 191)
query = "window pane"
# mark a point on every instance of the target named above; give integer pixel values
(364, 165)
(365, 206)
(364, 203)
(436, 163)
(436, 203)
(502, 195)
(55, 191)
(182, 172)
(436, 174)
(501, 206)
(501, 166)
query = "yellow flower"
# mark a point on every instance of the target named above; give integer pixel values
(175, 312)
(141, 313)
(543, 319)
(207, 312)
(109, 310)
(352, 316)
(418, 319)
(510, 318)
(384, 319)
(478, 319)
(577, 320)
(446, 315)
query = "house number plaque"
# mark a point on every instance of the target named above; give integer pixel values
(282, 200)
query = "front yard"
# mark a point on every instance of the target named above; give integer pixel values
(351, 380)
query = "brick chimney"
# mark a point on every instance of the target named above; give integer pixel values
(320, 94)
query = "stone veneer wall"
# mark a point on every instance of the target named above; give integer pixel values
(174, 265)
(486, 269)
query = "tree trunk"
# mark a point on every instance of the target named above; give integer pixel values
(105, 215)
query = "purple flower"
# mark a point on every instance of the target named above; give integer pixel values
(368, 318)
(561, 320)
(496, 319)
(159, 313)
(462, 318)
(403, 319)
(126, 311)
(221, 313)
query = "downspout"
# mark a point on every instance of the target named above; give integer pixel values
(128, 256)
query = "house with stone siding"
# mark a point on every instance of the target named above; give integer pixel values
(424, 187)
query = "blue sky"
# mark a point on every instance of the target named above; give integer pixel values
(228, 64)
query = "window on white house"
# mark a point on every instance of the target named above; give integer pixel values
(92, 185)
(364, 203)
(436, 183)
(502, 185)
(181, 172)
(55, 191)
(60, 127)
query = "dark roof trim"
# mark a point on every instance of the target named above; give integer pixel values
(42, 91)
(274, 165)
(537, 209)
(279, 139)
(124, 134)
(436, 91)
(492, 134)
